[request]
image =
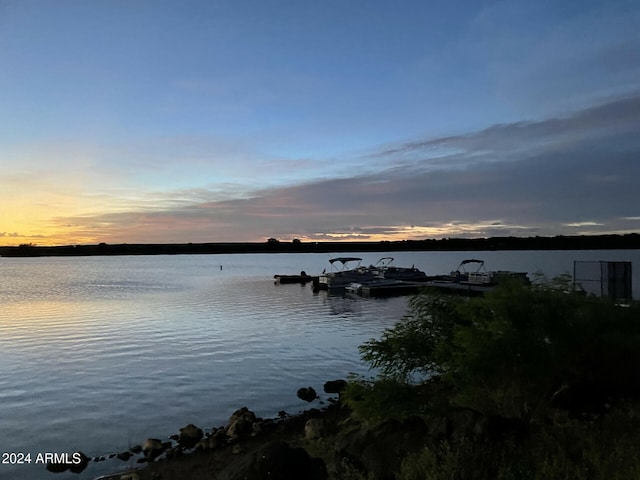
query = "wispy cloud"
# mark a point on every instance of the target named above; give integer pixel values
(524, 178)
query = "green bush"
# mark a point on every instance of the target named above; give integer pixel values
(420, 343)
(517, 349)
(560, 368)
(385, 398)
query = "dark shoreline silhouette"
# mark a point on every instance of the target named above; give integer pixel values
(560, 242)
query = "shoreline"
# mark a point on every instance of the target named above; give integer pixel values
(233, 451)
(629, 241)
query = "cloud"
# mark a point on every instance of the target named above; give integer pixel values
(550, 177)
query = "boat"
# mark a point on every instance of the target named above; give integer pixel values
(386, 279)
(344, 271)
(384, 269)
(474, 280)
(302, 278)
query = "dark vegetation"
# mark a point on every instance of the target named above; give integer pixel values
(272, 245)
(523, 383)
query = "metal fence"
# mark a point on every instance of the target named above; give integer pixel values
(603, 279)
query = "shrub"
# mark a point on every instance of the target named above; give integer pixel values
(420, 343)
(385, 398)
(517, 349)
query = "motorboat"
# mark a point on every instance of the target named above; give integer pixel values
(302, 278)
(384, 269)
(471, 276)
(386, 279)
(477, 275)
(343, 272)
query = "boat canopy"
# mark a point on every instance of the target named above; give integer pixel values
(471, 260)
(345, 260)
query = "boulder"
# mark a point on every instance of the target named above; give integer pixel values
(151, 448)
(124, 456)
(212, 442)
(189, 436)
(335, 386)
(241, 423)
(136, 449)
(57, 467)
(76, 463)
(239, 427)
(307, 394)
(244, 413)
(79, 463)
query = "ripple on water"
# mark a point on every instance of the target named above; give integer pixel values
(97, 354)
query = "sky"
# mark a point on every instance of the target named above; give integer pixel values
(157, 121)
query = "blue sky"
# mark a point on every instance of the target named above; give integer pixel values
(165, 121)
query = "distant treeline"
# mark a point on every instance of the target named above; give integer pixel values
(560, 242)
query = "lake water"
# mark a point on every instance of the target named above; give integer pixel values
(99, 353)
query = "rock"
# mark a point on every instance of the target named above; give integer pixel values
(241, 422)
(124, 456)
(76, 463)
(152, 447)
(241, 426)
(130, 476)
(213, 441)
(189, 436)
(79, 463)
(220, 436)
(314, 429)
(57, 467)
(136, 449)
(307, 394)
(243, 412)
(256, 429)
(335, 386)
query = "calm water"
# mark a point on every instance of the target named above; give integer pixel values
(99, 353)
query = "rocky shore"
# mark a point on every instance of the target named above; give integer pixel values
(317, 444)
(247, 447)
(334, 443)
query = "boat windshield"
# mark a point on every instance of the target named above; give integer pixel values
(384, 262)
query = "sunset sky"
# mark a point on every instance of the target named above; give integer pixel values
(152, 121)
